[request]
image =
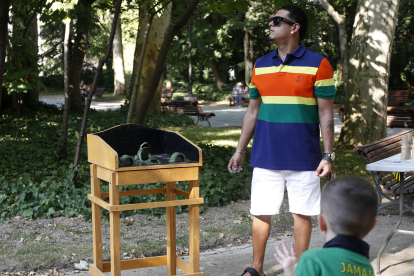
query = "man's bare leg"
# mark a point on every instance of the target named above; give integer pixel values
(302, 231)
(260, 233)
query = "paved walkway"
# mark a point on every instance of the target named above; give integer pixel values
(397, 259)
(226, 116)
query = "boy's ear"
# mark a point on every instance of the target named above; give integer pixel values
(322, 223)
(375, 223)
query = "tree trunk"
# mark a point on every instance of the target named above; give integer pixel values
(78, 54)
(173, 29)
(146, 20)
(365, 114)
(248, 56)
(118, 58)
(343, 41)
(32, 95)
(155, 40)
(215, 68)
(4, 19)
(64, 144)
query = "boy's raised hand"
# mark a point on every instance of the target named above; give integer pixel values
(288, 260)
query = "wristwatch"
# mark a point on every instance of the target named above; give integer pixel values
(330, 155)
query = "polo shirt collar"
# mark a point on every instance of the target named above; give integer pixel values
(349, 243)
(297, 53)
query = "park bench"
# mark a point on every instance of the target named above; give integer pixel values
(191, 108)
(167, 93)
(99, 93)
(385, 182)
(397, 116)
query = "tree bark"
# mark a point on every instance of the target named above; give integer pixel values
(215, 68)
(78, 54)
(147, 21)
(248, 56)
(64, 144)
(159, 67)
(32, 95)
(155, 38)
(118, 58)
(340, 19)
(365, 114)
(4, 19)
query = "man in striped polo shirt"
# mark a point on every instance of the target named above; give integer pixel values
(291, 99)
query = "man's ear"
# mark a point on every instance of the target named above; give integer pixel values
(296, 27)
(322, 223)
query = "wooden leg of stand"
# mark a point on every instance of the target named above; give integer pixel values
(194, 250)
(96, 220)
(115, 229)
(171, 232)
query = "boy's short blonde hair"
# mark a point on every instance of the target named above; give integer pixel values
(350, 204)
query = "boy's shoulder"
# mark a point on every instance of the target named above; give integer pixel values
(333, 261)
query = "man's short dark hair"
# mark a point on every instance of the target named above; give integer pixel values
(298, 16)
(350, 205)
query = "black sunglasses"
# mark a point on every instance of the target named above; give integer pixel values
(277, 19)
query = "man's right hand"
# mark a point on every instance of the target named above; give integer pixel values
(235, 162)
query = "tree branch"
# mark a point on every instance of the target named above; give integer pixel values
(168, 2)
(339, 18)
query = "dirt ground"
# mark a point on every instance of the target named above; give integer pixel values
(53, 246)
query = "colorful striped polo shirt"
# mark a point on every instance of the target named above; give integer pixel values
(287, 131)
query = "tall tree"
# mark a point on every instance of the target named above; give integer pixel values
(65, 125)
(83, 22)
(118, 57)
(365, 114)
(340, 19)
(4, 20)
(144, 56)
(173, 29)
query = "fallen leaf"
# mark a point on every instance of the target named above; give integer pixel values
(278, 238)
(288, 233)
(230, 245)
(21, 240)
(221, 235)
(236, 221)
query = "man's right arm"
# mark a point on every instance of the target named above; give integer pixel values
(249, 125)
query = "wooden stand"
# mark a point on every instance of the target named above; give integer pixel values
(128, 177)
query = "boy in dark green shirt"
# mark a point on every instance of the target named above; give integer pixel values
(348, 213)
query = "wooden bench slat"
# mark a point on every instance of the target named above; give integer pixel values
(191, 108)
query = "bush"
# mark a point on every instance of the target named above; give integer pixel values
(36, 178)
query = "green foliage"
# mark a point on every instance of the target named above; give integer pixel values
(35, 180)
(18, 76)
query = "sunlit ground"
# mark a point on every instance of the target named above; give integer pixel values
(212, 135)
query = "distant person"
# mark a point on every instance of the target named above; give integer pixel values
(348, 212)
(235, 91)
(241, 94)
(84, 89)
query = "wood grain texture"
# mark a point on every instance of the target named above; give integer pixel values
(138, 263)
(153, 176)
(96, 219)
(194, 233)
(156, 204)
(100, 153)
(171, 231)
(115, 229)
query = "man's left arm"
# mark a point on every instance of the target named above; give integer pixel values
(325, 110)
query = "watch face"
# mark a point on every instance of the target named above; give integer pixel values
(331, 155)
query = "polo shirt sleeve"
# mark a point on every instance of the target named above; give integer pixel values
(324, 84)
(254, 92)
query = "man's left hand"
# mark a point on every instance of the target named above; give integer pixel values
(324, 168)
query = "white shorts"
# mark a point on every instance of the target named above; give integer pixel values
(268, 187)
